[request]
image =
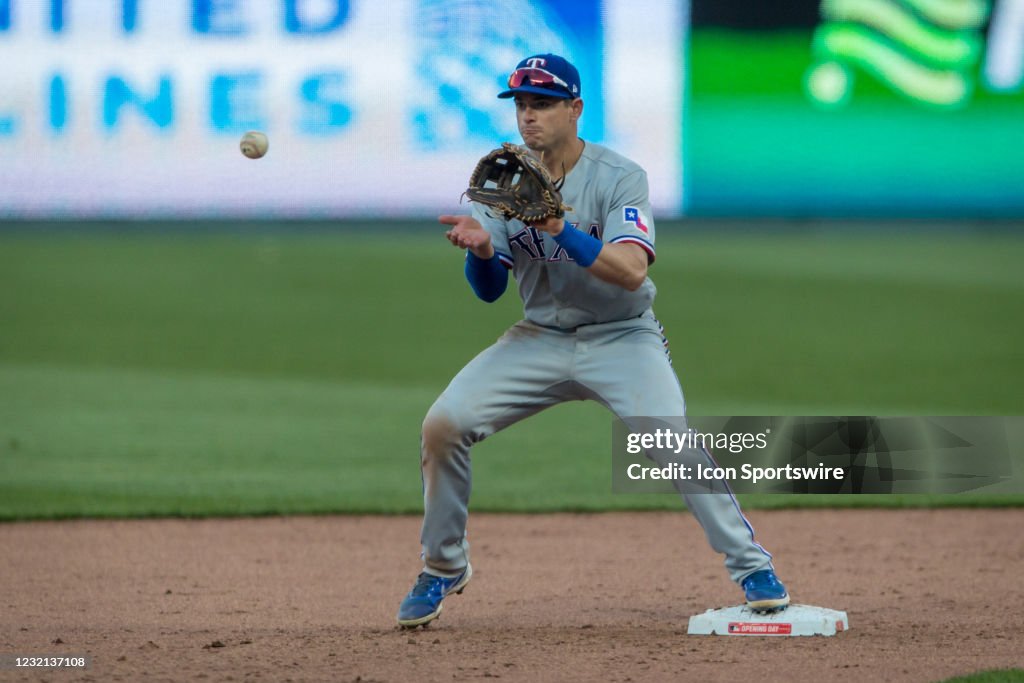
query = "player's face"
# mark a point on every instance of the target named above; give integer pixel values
(546, 122)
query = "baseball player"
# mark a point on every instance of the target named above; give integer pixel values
(588, 333)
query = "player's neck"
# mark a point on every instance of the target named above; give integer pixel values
(561, 160)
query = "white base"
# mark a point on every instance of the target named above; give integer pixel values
(795, 620)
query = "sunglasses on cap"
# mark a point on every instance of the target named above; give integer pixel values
(537, 77)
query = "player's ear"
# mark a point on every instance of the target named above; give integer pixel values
(577, 108)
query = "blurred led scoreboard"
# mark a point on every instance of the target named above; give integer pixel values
(856, 108)
(133, 108)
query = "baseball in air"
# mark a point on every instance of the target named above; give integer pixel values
(254, 144)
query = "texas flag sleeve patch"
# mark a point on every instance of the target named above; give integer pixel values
(632, 214)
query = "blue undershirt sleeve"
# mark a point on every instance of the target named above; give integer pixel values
(487, 277)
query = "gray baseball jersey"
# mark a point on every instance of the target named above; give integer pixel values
(608, 196)
(582, 339)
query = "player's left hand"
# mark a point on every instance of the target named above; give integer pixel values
(550, 225)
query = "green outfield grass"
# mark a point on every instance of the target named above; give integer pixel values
(281, 372)
(992, 676)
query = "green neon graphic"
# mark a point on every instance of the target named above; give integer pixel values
(953, 13)
(853, 44)
(925, 50)
(955, 50)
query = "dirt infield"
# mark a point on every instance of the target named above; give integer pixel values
(930, 594)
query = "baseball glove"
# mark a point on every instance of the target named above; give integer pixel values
(516, 184)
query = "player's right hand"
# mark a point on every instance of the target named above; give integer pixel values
(467, 233)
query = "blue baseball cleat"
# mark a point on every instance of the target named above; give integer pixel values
(765, 593)
(423, 603)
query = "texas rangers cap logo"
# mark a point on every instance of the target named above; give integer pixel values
(632, 214)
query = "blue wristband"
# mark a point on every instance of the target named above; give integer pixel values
(579, 245)
(487, 277)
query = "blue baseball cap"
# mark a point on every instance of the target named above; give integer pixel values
(545, 74)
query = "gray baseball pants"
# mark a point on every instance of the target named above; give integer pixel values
(624, 365)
